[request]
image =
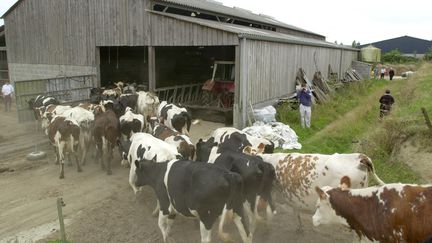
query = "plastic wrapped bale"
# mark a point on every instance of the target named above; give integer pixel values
(280, 134)
(266, 114)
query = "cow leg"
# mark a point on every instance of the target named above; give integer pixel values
(110, 156)
(60, 147)
(300, 224)
(165, 223)
(84, 144)
(57, 155)
(156, 210)
(256, 214)
(222, 235)
(242, 227)
(250, 214)
(69, 160)
(205, 233)
(77, 162)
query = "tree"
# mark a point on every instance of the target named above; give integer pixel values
(355, 44)
(428, 55)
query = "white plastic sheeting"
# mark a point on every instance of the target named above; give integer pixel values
(266, 114)
(280, 134)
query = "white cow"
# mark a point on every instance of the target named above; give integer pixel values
(147, 104)
(298, 174)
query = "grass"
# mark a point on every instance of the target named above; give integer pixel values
(349, 122)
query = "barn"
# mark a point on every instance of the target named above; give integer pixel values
(171, 47)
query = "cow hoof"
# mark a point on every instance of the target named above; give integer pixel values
(225, 237)
(299, 230)
(170, 240)
(61, 176)
(80, 170)
(109, 172)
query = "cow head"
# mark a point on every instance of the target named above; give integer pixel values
(124, 146)
(144, 171)
(325, 212)
(203, 149)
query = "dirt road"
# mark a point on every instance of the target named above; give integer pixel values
(102, 208)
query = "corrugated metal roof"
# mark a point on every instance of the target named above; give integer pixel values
(218, 7)
(254, 33)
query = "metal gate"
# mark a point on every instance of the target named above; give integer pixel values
(68, 90)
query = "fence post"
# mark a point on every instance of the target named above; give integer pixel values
(60, 204)
(426, 116)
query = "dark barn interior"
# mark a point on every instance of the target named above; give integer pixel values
(127, 64)
(188, 65)
(174, 65)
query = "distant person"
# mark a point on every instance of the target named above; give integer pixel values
(375, 72)
(7, 92)
(391, 73)
(305, 97)
(383, 71)
(386, 102)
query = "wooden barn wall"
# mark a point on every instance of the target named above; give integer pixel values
(166, 31)
(272, 67)
(50, 32)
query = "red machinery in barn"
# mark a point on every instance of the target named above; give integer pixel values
(219, 90)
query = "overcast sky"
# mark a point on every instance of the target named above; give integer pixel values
(341, 21)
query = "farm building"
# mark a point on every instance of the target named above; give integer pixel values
(170, 47)
(3, 57)
(407, 45)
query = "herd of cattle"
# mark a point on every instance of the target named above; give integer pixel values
(229, 172)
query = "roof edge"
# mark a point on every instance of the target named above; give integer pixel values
(11, 9)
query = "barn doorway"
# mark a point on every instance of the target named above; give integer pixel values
(200, 78)
(123, 63)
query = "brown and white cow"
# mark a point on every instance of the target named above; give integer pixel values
(147, 104)
(63, 134)
(50, 111)
(387, 213)
(85, 120)
(182, 142)
(298, 174)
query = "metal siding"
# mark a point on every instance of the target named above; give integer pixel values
(168, 31)
(273, 66)
(49, 32)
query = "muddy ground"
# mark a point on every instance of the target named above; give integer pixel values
(102, 208)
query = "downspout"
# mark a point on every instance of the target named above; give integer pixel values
(243, 81)
(340, 65)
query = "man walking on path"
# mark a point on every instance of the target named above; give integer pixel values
(391, 73)
(7, 91)
(386, 102)
(305, 97)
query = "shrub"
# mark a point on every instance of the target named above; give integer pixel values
(395, 56)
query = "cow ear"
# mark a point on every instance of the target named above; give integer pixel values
(154, 160)
(247, 150)
(321, 193)
(261, 148)
(345, 183)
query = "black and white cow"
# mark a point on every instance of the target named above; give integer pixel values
(258, 176)
(144, 146)
(233, 139)
(177, 118)
(194, 189)
(128, 100)
(131, 123)
(38, 105)
(182, 142)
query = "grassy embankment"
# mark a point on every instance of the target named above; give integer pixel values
(349, 122)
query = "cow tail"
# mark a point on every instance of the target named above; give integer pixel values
(188, 120)
(371, 169)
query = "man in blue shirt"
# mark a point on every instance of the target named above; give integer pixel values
(305, 97)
